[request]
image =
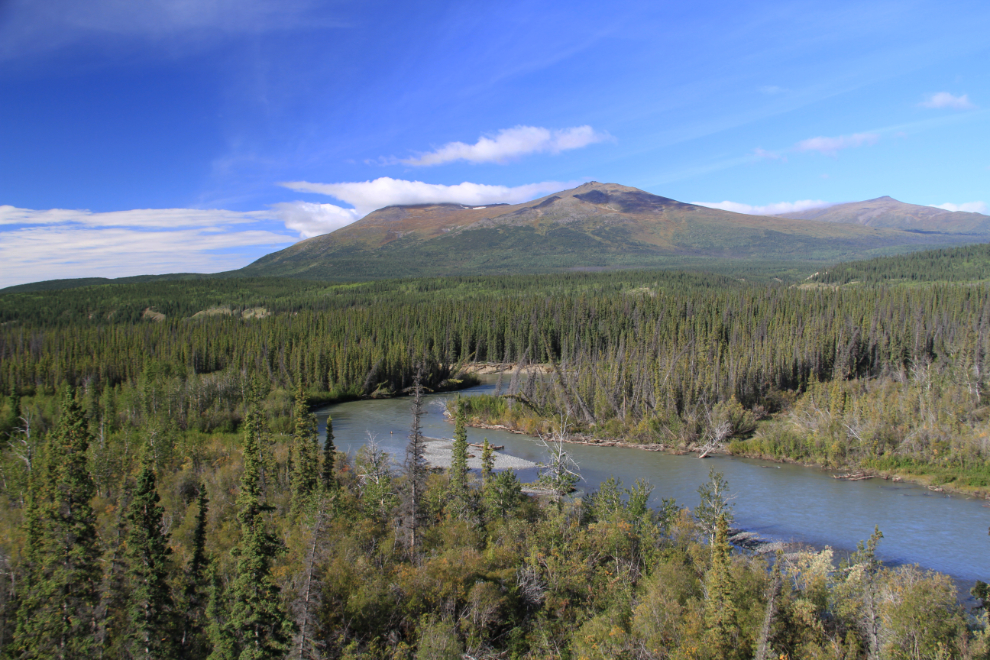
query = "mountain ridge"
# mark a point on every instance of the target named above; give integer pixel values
(595, 225)
(890, 213)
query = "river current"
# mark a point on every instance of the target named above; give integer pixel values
(781, 502)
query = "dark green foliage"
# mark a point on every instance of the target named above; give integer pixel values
(151, 610)
(327, 477)
(502, 494)
(886, 377)
(306, 470)
(459, 503)
(416, 469)
(963, 264)
(194, 640)
(487, 461)
(10, 417)
(220, 630)
(56, 615)
(258, 622)
(720, 609)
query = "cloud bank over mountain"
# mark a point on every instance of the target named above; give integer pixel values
(766, 209)
(366, 196)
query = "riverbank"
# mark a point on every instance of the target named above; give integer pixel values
(934, 478)
(461, 381)
(487, 368)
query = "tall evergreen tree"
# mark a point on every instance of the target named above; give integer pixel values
(151, 609)
(722, 630)
(260, 625)
(56, 615)
(487, 463)
(415, 467)
(195, 593)
(305, 477)
(327, 476)
(459, 497)
(12, 418)
(219, 628)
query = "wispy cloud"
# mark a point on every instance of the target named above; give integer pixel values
(767, 209)
(32, 26)
(144, 218)
(947, 100)
(967, 207)
(367, 196)
(511, 143)
(831, 146)
(60, 243)
(763, 154)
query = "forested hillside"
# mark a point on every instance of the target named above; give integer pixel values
(965, 264)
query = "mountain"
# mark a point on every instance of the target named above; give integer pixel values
(889, 213)
(594, 226)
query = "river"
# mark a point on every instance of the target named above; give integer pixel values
(782, 502)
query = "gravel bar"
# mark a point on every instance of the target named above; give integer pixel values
(439, 453)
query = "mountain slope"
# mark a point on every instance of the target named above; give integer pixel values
(889, 213)
(593, 226)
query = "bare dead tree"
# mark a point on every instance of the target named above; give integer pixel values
(309, 598)
(561, 472)
(763, 648)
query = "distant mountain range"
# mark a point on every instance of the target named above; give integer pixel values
(601, 226)
(889, 213)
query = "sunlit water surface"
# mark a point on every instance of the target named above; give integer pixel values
(945, 533)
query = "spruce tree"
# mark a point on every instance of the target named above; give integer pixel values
(260, 625)
(487, 463)
(151, 609)
(56, 614)
(327, 476)
(415, 467)
(12, 419)
(721, 629)
(219, 629)
(458, 492)
(305, 477)
(197, 585)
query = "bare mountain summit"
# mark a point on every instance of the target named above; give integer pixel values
(889, 213)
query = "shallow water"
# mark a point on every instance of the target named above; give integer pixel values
(790, 503)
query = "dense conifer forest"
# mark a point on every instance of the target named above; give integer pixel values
(165, 495)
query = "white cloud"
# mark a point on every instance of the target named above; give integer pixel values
(146, 218)
(768, 155)
(947, 100)
(50, 244)
(768, 209)
(314, 219)
(830, 146)
(511, 143)
(968, 207)
(368, 196)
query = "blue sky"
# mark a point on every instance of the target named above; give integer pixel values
(181, 135)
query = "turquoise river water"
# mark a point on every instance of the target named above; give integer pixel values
(784, 502)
